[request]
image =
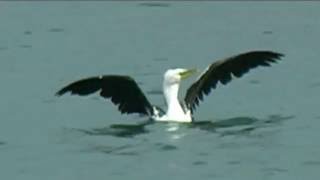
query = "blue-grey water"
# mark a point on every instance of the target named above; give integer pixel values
(262, 126)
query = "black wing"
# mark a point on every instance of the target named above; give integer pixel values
(222, 71)
(122, 90)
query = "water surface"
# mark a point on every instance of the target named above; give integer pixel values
(262, 126)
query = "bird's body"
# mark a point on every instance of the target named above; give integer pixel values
(176, 111)
(124, 91)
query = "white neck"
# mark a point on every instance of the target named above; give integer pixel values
(174, 111)
(171, 96)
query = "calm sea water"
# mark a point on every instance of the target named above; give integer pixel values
(262, 126)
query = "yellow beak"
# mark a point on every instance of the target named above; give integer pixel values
(187, 73)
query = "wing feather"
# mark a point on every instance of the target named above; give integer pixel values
(121, 90)
(223, 70)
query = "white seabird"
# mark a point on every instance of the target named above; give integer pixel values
(125, 92)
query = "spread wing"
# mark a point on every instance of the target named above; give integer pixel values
(122, 90)
(222, 71)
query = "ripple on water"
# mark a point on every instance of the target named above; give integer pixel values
(267, 32)
(56, 29)
(27, 32)
(122, 150)
(225, 127)
(166, 147)
(239, 125)
(115, 150)
(160, 59)
(234, 162)
(274, 170)
(254, 81)
(154, 4)
(2, 48)
(312, 163)
(199, 163)
(118, 130)
(25, 46)
(314, 85)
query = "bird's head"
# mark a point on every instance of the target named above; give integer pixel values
(174, 76)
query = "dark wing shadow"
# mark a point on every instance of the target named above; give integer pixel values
(2, 143)
(239, 125)
(119, 130)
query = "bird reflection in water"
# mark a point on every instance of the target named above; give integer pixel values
(231, 126)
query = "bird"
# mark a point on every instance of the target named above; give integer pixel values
(124, 91)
